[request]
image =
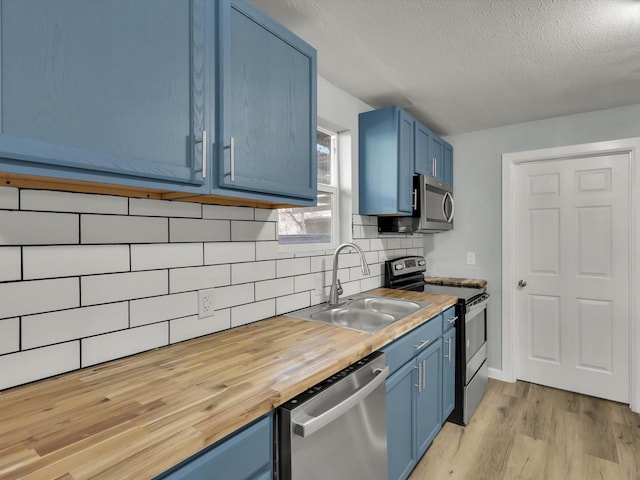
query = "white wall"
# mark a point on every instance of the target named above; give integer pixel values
(477, 191)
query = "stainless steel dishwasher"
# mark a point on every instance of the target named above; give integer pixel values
(337, 429)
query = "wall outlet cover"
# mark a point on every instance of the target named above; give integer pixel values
(206, 306)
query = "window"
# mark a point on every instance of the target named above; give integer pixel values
(316, 227)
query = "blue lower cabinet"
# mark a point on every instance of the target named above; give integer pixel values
(429, 396)
(448, 373)
(401, 456)
(244, 455)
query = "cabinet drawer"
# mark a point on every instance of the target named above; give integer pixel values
(449, 318)
(242, 455)
(409, 345)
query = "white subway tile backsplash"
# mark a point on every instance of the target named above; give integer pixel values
(57, 327)
(123, 286)
(165, 307)
(234, 295)
(191, 327)
(274, 288)
(229, 252)
(265, 215)
(223, 212)
(252, 312)
(9, 335)
(270, 251)
(196, 278)
(37, 296)
(118, 275)
(191, 230)
(252, 271)
(49, 201)
(125, 342)
(293, 266)
(252, 231)
(164, 208)
(9, 198)
(69, 260)
(30, 365)
(120, 229)
(10, 264)
(292, 302)
(38, 228)
(163, 255)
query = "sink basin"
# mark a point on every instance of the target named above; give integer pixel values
(364, 313)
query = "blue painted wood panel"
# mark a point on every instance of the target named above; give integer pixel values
(105, 90)
(400, 422)
(448, 164)
(386, 153)
(436, 152)
(422, 162)
(448, 373)
(429, 400)
(245, 455)
(267, 104)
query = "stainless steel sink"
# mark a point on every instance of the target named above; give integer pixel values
(364, 313)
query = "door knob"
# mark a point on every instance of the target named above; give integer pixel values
(522, 283)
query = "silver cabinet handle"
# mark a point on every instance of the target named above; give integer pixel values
(305, 424)
(232, 158)
(424, 374)
(446, 355)
(203, 141)
(422, 345)
(452, 320)
(449, 349)
(419, 385)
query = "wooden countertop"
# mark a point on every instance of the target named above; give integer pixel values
(136, 417)
(456, 282)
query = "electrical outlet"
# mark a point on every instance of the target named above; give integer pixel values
(206, 307)
(471, 258)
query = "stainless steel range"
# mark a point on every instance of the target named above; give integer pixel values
(407, 273)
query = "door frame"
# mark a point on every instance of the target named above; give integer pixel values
(510, 161)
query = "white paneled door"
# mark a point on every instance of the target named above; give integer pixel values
(572, 270)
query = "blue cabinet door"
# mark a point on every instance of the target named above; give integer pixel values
(429, 398)
(448, 373)
(245, 455)
(422, 163)
(448, 164)
(386, 153)
(266, 109)
(106, 90)
(400, 422)
(436, 152)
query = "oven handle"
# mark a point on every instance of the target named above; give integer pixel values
(312, 424)
(475, 308)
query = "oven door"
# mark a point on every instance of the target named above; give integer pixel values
(475, 326)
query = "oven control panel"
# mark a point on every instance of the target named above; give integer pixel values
(408, 265)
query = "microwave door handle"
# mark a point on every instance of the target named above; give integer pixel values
(453, 207)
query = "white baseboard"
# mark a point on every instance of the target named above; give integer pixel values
(499, 375)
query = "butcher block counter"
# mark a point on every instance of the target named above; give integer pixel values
(136, 417)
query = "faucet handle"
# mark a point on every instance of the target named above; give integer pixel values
(340, 290)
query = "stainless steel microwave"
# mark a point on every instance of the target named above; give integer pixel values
(435, 204)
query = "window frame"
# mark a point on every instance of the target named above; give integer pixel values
(334, 190)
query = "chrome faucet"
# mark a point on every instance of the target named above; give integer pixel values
(336, 288)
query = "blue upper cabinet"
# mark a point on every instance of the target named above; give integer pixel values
(422, 161)
(106, 91)
(436, 154)
(448, 164)
(266, 109)
(386, 162)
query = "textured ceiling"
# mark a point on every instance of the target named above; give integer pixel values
(465, 65)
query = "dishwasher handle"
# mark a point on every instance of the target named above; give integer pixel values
(312, 424)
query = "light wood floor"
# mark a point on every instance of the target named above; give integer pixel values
(526, 431)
